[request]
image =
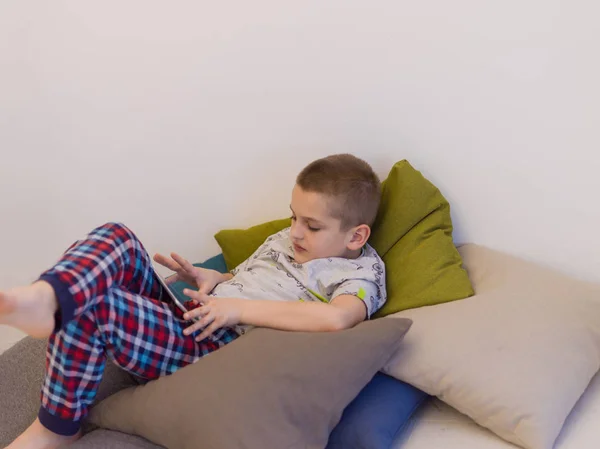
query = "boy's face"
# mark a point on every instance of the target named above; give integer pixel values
(315, 233)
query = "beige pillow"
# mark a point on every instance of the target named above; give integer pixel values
(267, 389)
(516, 356)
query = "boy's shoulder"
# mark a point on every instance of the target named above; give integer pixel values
(366, 265)
(279, 241)
(364, 274)
(281, 235)
(332, 271)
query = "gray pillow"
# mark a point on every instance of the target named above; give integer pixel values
(109, 439)
(267, 389)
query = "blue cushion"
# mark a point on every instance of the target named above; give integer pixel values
(214, 263)
(377, 415)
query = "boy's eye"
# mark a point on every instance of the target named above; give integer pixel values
(310, 228)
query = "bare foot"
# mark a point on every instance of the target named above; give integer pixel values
(30, 309)
(38, 437)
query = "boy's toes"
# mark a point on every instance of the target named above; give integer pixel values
(6, 305)
(27, 309)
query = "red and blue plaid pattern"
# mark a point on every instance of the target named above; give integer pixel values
(111, 307)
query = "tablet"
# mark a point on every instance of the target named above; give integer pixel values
(171, 294)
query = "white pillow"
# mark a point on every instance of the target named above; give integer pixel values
(515, 357)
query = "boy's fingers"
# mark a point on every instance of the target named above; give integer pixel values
(198, 311)
(204, 289)
(192, 327)
(166, 262)
(206, 320)
(183, 262)
(171, 279)
(198, 295)
(208, 331)
(191, 293)
(199, 324)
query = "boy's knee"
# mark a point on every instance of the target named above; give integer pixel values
(113, 225)
(116, 227)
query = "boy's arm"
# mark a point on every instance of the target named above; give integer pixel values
(343, 312)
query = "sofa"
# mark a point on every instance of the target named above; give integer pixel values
(498, 278)
(508, 350)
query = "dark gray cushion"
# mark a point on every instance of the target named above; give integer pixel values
(22, 370)
(21, 374)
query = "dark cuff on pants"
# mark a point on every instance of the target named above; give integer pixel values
(66, 304)
(58, 425)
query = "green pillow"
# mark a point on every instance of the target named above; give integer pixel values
(412, 234)
(239, 244)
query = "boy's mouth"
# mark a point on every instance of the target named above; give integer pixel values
(298, 248)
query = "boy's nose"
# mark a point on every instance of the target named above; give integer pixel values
(296, 233)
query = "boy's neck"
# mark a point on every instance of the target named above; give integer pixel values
(354, 254)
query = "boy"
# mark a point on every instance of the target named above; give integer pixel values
(101, 299)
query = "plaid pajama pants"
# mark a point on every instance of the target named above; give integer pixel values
(110, 307)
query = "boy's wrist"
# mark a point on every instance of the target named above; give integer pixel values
(225, 277)
(243, 319)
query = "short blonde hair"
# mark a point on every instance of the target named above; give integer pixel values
(351, 183)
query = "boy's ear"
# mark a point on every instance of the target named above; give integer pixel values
(360, 235)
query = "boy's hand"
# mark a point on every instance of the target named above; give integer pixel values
(202, 278)
(214, 313)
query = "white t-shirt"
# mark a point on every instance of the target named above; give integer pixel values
(272, 273)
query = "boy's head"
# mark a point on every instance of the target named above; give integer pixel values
(334, 205)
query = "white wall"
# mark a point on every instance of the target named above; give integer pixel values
(180, 118)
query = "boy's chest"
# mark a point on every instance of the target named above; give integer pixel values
(315, 280)
(274, 275)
